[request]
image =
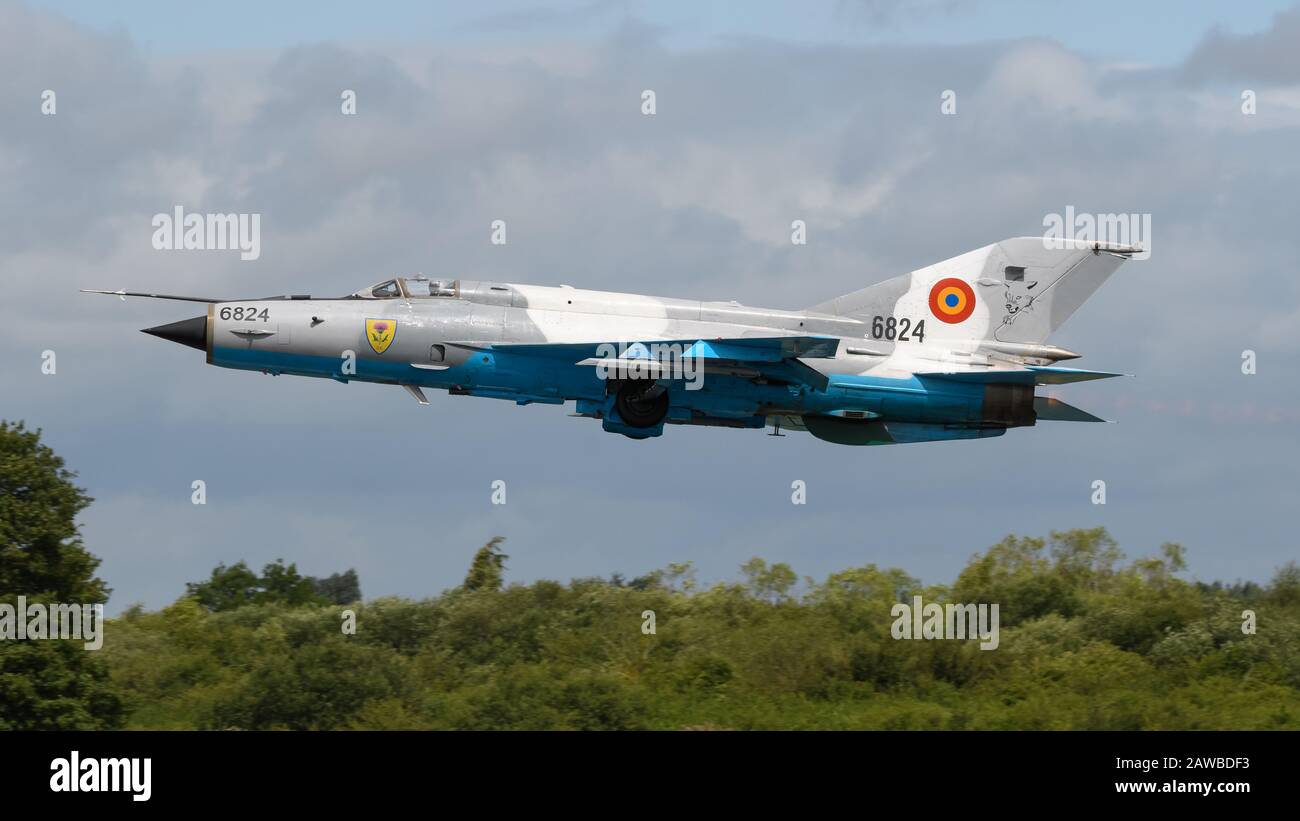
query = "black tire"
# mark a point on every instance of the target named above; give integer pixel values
(641, 404)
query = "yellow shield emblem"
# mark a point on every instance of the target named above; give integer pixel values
(380, 333)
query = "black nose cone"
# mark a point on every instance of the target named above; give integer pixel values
(192, 332)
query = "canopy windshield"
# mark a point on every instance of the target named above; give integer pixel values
(411, 288)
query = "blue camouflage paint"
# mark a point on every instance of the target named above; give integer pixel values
(519, 378)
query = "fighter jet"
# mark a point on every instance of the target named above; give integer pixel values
(954, 350)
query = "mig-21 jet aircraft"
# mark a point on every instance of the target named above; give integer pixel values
(953, 350)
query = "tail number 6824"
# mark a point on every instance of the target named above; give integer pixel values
(900, 329)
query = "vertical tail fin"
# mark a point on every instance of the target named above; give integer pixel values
(1017, 290)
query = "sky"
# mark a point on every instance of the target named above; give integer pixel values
(765, 113)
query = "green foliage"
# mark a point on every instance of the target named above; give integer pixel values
(236, 586)
(1087, 642)
(488, 568)
(772, 584)
(41, 553)
(47, 684)
(55, 685)
(339, 588)
(1285, 589)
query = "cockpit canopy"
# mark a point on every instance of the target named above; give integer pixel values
(411, 288)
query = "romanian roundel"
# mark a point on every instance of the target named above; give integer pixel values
(952, 300)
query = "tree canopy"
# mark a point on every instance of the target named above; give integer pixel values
(47, 684)
(235, 586)
(40, 546)
(1089, 641)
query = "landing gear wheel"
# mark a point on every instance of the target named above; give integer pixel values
(641, 404)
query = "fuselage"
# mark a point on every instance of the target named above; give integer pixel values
(452, 341)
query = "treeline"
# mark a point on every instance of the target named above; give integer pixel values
(237, 586)
(1087, 640)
